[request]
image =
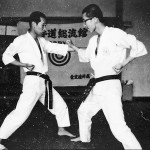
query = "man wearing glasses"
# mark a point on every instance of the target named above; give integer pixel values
(106, 53)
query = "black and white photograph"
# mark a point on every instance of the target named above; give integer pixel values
(74, 74)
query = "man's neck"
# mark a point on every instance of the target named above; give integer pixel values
(100, 28)
(33, 35)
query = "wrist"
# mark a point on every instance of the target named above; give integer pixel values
(75, 48)
(24, 65)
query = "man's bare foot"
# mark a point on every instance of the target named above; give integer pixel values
(62, 132)
(76, 139)
(2, 147)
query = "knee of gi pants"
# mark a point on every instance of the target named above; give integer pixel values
(83, 112)
(120, 131)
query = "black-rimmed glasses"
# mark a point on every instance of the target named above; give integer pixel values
(84, 21)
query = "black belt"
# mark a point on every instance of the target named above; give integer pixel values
(93, 81)
(48, 91)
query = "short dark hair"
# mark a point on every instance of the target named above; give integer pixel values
(93, 10)
(36, 17)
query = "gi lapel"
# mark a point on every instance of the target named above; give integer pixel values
(35, 47)
(40, 49)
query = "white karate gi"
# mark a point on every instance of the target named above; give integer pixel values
(33, 86)
(106, 95)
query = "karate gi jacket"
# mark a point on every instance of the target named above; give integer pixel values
(112, 49)
(28, 51)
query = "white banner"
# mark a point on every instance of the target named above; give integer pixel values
(8, 30)
(2, 30)
(11, 30)
(65, 71)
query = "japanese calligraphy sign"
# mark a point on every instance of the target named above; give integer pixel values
(61, 32)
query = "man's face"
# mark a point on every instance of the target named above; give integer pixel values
(88, 23)
(40, 28)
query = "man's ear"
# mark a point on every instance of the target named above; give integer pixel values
(95, 19)
(33, 24)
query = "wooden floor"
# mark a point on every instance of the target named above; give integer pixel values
(39, 132)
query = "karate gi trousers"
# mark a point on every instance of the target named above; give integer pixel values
(33, 90)
(109, 100)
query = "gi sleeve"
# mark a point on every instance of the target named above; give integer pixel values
(56, 48)
(128, 41)
(12, 49)
(84, 54)
(139, 50)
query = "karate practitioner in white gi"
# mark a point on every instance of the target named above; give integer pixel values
(28, 47)
(106, 53)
